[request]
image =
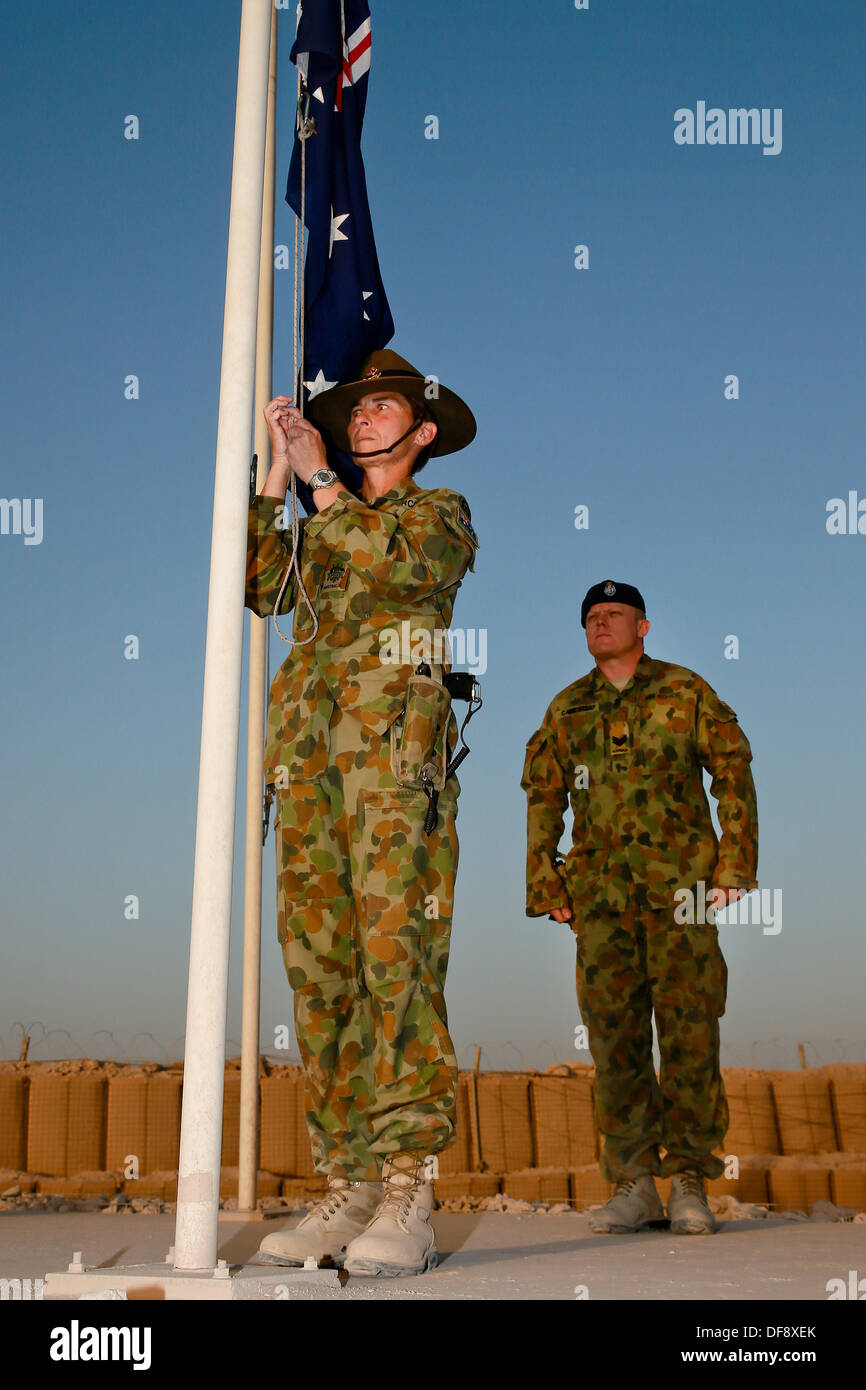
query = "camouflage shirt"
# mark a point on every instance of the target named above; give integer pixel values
(630, 762)
(382, 577)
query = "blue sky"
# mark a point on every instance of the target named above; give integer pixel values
(601, 387)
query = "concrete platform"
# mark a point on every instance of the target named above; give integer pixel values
(489, 1256)
(163, 1283)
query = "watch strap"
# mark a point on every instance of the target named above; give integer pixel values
(323, 477)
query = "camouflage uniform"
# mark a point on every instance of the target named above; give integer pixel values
(364, 897)
(630, 762)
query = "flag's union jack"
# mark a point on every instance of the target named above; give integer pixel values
(356, 59)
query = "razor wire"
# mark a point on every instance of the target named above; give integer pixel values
(46, 1043)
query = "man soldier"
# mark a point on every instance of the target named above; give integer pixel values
(366, 844)
(627, 744)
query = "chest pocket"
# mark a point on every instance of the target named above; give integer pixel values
(664, 738)
(582, 752)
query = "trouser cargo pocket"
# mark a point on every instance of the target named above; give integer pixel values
(314, 898)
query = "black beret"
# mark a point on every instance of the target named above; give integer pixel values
(608, 592)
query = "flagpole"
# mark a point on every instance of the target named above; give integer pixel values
(196, 1228)
(248, 1148)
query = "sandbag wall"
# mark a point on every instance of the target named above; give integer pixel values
(87, 1128)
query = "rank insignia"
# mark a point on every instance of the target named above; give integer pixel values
(620, 739)
(336, 577)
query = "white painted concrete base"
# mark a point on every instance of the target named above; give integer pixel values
(165, 1283)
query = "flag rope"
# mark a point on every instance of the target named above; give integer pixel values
(305, 128)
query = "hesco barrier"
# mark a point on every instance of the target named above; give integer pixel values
(284, 1145)
(849, 1187)
(231, 1120)
(752, 1128)
(798, 1137)
(505, 1138)
(458, 1157)
(804, 1111)
(800, 1188)
(563, 1120)
(13, 1121)
(66, 1123)
(848, 1094)
(144, 1120)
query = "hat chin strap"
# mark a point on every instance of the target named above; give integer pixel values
(372, 453)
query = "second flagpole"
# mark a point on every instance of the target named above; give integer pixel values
(248, 1148)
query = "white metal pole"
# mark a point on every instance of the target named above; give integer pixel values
(195, 1244)
(248, 1154)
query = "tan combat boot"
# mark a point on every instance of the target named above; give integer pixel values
(634, 1204)
(327, 1228)
(688, 1208)
(399, 1239)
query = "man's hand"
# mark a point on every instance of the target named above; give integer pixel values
(561, 914)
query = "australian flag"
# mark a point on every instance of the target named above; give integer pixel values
(346, 312)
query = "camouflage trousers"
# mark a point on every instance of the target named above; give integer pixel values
(630, 965)
(364, 905)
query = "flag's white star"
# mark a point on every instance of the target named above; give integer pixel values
(319, 95)
(319, 384)
(336, 235)
(366, 294)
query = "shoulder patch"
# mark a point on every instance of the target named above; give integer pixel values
(465, 519)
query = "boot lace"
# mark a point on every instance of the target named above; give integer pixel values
(399, 1197)
(397, 1200)
(329, 1203)
(691, 1183)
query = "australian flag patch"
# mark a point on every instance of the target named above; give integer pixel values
(465, 520)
